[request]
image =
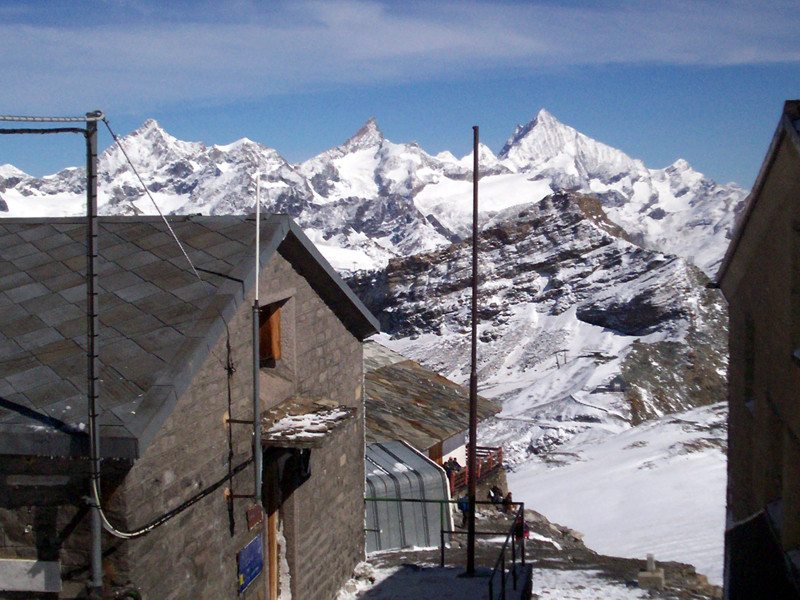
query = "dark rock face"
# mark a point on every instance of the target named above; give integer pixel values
(548, 253)
(643, 312)
(547, 259)
(640, 316)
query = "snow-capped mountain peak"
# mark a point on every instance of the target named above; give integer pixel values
(149, 148)
(546, 143)
(386, 199)
(485, 157)
(368, 136)
(8, 171)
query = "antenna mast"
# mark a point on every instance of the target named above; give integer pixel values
(257, 456)
(472, 457)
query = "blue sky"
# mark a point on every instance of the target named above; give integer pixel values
(703, 80)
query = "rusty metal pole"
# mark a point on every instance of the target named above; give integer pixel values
(95, 584)
(472, 458)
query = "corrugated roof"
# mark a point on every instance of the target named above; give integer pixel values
(405, 401)
(157, 321)
(396, 470)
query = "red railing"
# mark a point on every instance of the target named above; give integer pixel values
(488, 460)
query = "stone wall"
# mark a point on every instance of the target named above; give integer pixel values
(762, 284)
(43, 517)
(194, 555)
(323, 520)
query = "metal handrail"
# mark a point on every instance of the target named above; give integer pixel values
(489, 458)
(500, 564)
(501, 560)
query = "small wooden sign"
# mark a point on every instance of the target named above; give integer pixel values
(255, 515)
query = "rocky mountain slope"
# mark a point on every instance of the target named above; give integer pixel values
(580, 250)
(579, 327)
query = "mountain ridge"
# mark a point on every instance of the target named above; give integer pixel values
(674, 209)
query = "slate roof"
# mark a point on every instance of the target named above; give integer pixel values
(405, 401)
(303, 422)
(157, 320)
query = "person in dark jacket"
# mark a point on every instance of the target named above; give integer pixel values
(463, 506)
(508, 505)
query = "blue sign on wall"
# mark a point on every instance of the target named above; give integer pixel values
(251, 562)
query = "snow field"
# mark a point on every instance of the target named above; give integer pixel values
(658, 488)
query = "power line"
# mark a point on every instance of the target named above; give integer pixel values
(96, 115)
(168, 515)
(149, 195)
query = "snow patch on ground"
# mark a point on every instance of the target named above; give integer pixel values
(551, 584)
(656, 488)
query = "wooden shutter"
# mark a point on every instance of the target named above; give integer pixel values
(270, 333)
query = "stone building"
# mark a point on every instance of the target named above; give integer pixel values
(176, 392)
(760, 277)
(405, 401)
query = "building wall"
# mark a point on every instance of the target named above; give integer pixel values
(323, 520)
(762, 285)
(43, 515)
(194, 556)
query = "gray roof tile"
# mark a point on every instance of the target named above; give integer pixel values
(68, 280)
(42, 303)
(38, 338)
(17, 251)
(405, 401)
(135, 292)
(26, 292)
(61, 313)
(51, 241)
(37, 233)
(157, 321)
(46, 270)
(66, 252)
(9, 240)
(22, 325)
(74, 293)
(11, 312)
(33, 260)
(32, 378)
(14, 280)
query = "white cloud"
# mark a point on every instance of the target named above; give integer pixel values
(206, 54)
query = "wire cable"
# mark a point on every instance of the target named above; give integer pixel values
(232, 471)
(127, 535)
(96, 115)
(146, 191)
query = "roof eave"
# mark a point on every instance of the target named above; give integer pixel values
(785, 128)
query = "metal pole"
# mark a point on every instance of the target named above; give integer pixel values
(472, 459)
(96, 584)
(257, 455)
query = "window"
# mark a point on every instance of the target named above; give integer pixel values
(269, 334)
